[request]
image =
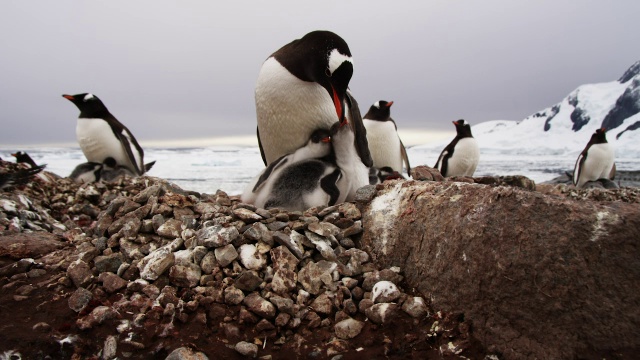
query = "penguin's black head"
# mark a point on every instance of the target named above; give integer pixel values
(462, 128)
(90, 105)
(23, 157)
(380, 111)
(322, 57)
(599, 137)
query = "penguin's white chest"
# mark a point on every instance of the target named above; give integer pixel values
(597, 165)
(98, 141)
(289, 110)
(465, 158)
(384, 144)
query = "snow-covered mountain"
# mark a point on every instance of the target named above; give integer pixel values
(565, 128)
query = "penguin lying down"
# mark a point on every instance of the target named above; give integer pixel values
(316, 174)
(108, 170)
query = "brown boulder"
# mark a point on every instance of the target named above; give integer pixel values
(539, 276)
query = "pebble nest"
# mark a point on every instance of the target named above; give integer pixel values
(178, 256)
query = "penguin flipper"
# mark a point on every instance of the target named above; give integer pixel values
(578, 168)
(149, 165)
(405, 157)
(264, 158)
(361, 143)
(268, 171)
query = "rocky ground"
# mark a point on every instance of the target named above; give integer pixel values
(141, 269)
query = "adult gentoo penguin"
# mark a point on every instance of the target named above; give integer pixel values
(101, 135)
(385, 145)
(303, 87)
(596, 161)
(460, 157)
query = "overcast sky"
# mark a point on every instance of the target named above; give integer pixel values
(187, 69)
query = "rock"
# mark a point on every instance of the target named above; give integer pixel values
(156, 263)
(512, 257)
(20, 266)
(314, 276)
(322, 304)
(80, 273)
(170, 229)
(31, 245)
(246, 215)
(292, 242)
(285, 264)
(385, 292)
(322, 244)
(185, 353)
(248, 281)
(365, 194)
(233, 295)
(247, 349)
(259, 306)
(381, 313)
(225, 255)
(79, 299)
(209, 263)
(284, 305)
(251, 258)
(415, 307)
(425, 173)
(324, 229)
(187, 275)
(99, 315)
(216, 236)
(109, 263)
(112, 282)
(144, 195)
(348, 328)
(110, 349)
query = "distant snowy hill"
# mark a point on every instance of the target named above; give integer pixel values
(565, 128)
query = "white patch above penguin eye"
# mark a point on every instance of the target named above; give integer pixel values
(89, 97)
(336, 59)
(377, 104)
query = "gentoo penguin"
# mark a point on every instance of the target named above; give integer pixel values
(87, 172)
(101, 135)
(19, 176)
(385, 145)
(23, 157)
(291, 191)
(379, 175)
(596, 161)
(460, 157)
(303, 87)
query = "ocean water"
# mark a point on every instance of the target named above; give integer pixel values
(231, 168)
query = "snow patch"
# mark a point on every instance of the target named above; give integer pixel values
(385, 209)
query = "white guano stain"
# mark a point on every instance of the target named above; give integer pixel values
(603, 218)
(385, 210)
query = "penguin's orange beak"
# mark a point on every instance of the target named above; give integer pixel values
(14, 155)
(68, 97)
(337, 103)
(389, 103)
(326, 139)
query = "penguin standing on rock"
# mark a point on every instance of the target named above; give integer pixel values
(101, 135)
(385, 145)
(596, 161)
(461, 156)
(302, 87)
